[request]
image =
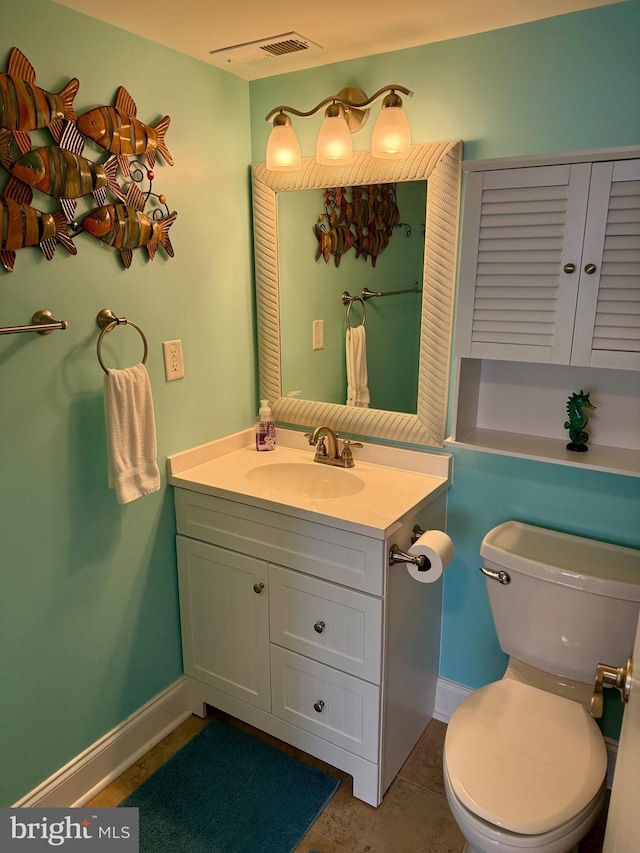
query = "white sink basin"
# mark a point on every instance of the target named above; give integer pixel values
(309, 480)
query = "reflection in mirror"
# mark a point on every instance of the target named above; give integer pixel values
(278, 319)
(311, 290)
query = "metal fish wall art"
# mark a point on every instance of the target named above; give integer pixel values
(25, 106)
(126, 227)
(365, 220)
(336, 242)
(61, 172)
(372, 244)
(117, 130)
(22, 225)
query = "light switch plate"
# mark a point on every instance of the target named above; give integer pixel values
(318, 334)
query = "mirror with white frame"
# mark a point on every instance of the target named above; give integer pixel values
(437, 163)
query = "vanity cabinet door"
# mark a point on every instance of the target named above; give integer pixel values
(224, 609)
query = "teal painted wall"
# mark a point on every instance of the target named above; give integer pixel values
(89, 627)
(566, 83)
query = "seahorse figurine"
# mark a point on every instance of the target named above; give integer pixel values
(578, 421)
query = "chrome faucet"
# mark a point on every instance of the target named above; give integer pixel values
(327, 444)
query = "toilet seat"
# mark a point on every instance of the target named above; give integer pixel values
(524, 759)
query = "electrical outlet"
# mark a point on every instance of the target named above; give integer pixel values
(173, 363)
(318, 334)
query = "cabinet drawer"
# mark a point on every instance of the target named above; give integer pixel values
(331, 624)
(326, 552)
(330, 704)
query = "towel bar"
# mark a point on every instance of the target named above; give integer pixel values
(43, 322)
(107, 321)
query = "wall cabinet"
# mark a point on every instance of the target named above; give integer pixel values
(304, 631)
(549, 304)
(550, 266)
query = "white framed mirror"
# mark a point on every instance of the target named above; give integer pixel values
(440, 165)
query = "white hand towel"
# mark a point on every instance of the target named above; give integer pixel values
(357, 390)
(131, 433)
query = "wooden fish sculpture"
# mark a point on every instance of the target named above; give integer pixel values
(336, 242)
(126, 227)
(25, 106)
(117, 130)
(62, 173)
(22, 225)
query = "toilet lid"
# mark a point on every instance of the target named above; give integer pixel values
(524, 759)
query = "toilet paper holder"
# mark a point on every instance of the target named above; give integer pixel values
(397, 555)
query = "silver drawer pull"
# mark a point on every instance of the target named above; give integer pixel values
(319, 626)
(500, 576)
(319, 705)
(258, 587)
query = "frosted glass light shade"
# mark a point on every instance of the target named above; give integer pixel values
(391, 135)
(283, 149)
(334, 146)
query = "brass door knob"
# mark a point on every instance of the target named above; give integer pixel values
(590, 269)
(569, 268)
(611, 676)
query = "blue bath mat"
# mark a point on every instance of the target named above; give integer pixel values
(228, 792)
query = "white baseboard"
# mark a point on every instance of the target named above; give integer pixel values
(91, 771)
(449, 694)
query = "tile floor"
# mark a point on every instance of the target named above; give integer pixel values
(412, 818)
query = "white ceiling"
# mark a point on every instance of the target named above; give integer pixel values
(344, 30)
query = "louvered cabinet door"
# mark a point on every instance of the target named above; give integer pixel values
(522, 248)
(607, 332)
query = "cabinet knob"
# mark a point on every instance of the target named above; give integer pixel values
(590, 269)
(319, 705)
(569, 267)
(258, 587)
(319, 627)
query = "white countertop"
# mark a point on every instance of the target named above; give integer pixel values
(396, 481)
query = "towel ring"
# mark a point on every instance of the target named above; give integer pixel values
(364, 311)
(107, 321)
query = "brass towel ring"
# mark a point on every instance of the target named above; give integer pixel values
(364, 311)
(107, 321)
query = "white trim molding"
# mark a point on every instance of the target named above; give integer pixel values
(92, 770)
(449, 694)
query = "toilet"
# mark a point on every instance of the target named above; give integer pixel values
(524, 760)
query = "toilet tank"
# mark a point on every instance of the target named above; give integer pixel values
(571, 602)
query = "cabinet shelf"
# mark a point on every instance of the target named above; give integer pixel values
(613, 460)
(549, 304)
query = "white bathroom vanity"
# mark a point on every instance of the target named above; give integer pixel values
(292, 618)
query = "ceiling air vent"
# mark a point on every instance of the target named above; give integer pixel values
(266, 49)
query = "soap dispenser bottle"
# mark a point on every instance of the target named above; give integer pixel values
(265, 428)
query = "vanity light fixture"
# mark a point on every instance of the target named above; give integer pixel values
(345, 113)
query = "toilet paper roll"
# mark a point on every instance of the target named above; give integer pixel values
(438, 548)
